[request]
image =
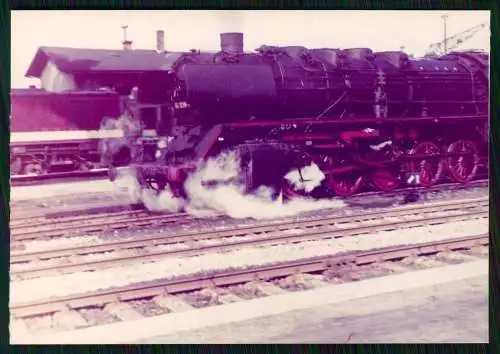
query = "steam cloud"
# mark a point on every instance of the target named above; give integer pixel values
(213, 189)
(110, 146)
(126, 180)
(126, 187)
(230, 21)
(311, 178)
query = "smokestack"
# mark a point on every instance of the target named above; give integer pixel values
(231, 42)
(160, 41)
(127, 45)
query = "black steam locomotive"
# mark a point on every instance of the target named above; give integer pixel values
(362, 117)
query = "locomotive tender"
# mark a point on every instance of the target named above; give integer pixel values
(361, 116)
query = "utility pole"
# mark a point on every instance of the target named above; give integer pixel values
(124, 28)
(445, 42)
(127, 45)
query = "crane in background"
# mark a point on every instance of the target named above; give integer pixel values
(453, 42)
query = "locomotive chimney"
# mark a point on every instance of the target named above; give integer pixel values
(231, 42)
(160, 41)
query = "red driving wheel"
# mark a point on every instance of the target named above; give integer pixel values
(345, 185)
(385, 180)
(430, 169)
(463, 168)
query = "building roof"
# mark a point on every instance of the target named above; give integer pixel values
(71, 60)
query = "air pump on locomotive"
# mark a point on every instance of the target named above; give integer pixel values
(363, 117)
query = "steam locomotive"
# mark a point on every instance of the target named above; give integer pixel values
(362, 117)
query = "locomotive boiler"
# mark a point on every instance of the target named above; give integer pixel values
(363, 117)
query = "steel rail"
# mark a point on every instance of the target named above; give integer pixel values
(74, 214)
(280, 225)
(274, 236)
(44, 222)
(233, 277)
(107, 225)
(121, 222)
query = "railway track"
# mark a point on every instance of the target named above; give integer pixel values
(147, 248)
(24, 215)
(60, 218)
(25, 219)
(92, 212)
(332, 267)
(109, 222)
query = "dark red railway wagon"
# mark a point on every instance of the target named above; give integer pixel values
(52, 129)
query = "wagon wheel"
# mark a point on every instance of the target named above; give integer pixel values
(463, 168)
(35, 168)
(86, 166)
(430, 169)
(385, 180)
(16, 166)
(112, 173)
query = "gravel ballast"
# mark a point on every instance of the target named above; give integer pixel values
(80, 282)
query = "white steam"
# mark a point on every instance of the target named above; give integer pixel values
(213, 188)
(230, 21)
(125, 126)
(127, 186)
(165, 201)
(311, 178)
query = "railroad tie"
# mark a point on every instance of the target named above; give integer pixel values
(301, 281)
(230, 298)
(449, 256)
(123, 311)
(422, 262)
(69, 319)
(479, 251)
(223, 298)
(172, 303)
(270, 289)
(314, 280)
(394, 267)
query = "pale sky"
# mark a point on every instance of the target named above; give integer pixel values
(378, 30)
